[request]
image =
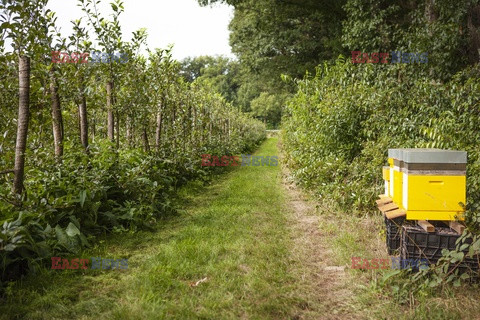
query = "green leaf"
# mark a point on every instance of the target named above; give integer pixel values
(48, 229)
(82, 197)
(15, 239)
(72, 230)
(84, 240)
(62, 237)
(464, 276)
(9, 247)
(390, 274)
(435, 282)
(5, 25)
(75, 221)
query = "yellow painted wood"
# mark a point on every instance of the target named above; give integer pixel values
(397, 187)
(434, 215)
(390, 183)
(435, 193)
(386, 173)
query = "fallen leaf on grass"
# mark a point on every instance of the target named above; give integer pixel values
(194, 284)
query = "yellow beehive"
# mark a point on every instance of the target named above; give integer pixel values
(394, 159)
(390, 181)
(433, 184)
(386, 178)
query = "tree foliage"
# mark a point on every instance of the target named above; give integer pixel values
(222, 73)
(275, 37)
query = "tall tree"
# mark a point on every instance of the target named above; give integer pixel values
(20, 21)
(81, 73)
(57, 121)
(110, 115)
(22, 121)
(221, 72)
(109, 37)
(275, 37)
(56, 110)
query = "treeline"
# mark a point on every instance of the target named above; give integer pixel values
(229, 77)
(272, 38)
(88, 148)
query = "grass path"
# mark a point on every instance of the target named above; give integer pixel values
(228, 255)
(249, 246)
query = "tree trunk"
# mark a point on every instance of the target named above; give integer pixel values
(203, 126)
(184, 128)
(128, 127)
(146, 145)
(190, 123)
(210, 128)
(132, 132)
(430, 12)
(174, 116)
(110, 118)
(158, 132)
(94, 129)
(22, 122)
(194, 128)
(473, 25)
(228, 129)
(57, 121)
(118, 129)
(82, 111)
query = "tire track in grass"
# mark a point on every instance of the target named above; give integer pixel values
(327, 286)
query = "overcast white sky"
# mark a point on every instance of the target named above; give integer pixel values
(193, 30)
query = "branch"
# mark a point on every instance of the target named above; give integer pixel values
(13, 203)
(7, 171)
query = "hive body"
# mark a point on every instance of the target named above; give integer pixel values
(429, 184)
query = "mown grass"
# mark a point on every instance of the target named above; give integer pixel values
(233, 234)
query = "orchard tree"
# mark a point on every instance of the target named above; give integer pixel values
(20, 21)
(80, 72)
(109, 37)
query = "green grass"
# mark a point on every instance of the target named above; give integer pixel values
(234, 233)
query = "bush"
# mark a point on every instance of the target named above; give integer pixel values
(338, 127)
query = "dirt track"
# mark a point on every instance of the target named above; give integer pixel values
(327, 284)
